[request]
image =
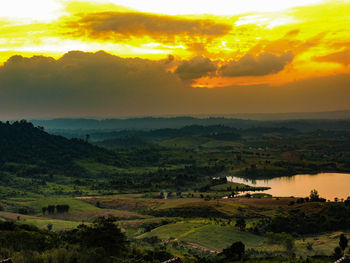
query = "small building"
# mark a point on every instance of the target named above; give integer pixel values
(344, 259)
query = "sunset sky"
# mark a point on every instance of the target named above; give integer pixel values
(111, 58)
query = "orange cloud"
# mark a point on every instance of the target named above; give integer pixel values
(242, 49)
(341, 57)
(118, 26)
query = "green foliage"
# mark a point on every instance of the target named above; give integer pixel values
(331, 217)
(235, 251)
(314, 196)
(343, 242)
(21, 142)
(103, 234)
(337, 252)
(25, 237)
(281, 239)
(102, 241)
(241, 224)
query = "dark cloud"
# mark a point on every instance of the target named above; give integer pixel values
(249, 65)
(195, 68)
(100, 84)
(341, 57)
(118, 26)
(86, 83)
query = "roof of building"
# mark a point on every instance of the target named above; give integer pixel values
(173, 260)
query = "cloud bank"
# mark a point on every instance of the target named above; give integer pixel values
(194, 68)
(118, 26)
(100, 84)
(249, 65)
(341, 57)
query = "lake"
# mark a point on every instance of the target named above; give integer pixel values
(328, 185)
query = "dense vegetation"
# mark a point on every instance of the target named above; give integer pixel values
(102, 241)
(332, 217)
(21, 142)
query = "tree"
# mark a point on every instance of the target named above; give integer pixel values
(314, 196)
(235, 250)
(347, 202)
(51, 209)
(105, 234)
(337, 252)
(343, 242)
(240, 223)
(62, 209)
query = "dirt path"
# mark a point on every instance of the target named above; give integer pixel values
(194, 245)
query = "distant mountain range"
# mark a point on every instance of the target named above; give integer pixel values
(330, 115)
(339, 120)
(158, 122)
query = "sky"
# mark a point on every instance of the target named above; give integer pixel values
(113, 58)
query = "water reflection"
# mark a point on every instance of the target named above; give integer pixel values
(329, 185)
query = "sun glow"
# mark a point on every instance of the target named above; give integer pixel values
(219, 7)
(236, 35)
(33, 10)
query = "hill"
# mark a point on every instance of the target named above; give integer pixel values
(22, 143)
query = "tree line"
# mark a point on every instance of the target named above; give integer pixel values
(60, 209)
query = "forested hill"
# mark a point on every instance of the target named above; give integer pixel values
(21, 142)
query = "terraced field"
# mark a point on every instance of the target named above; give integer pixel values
(212, 236)
(144, 216)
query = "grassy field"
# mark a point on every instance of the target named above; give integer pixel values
(185, 142)
(217, 237)
(37, 204)
(192, 142)
(172, 231)
(212, 236)
(146, 205)
(322, 244)
(209, 234)
(234, 207)
(57, 225)
(40, 222)
(91, 215)
(96, 168)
